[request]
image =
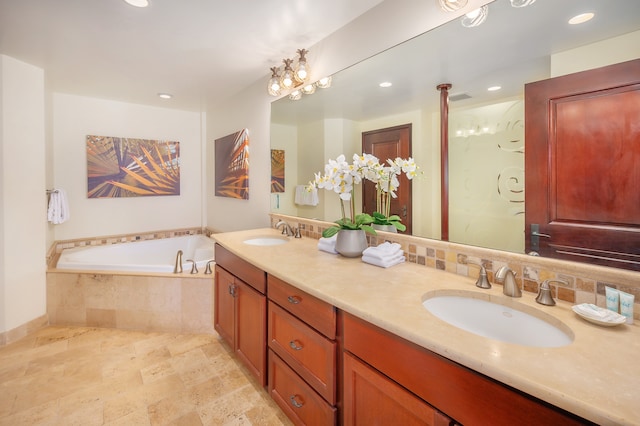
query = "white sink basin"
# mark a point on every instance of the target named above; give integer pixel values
(266, 241)
(506, 322)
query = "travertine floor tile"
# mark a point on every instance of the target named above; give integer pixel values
(92, 376)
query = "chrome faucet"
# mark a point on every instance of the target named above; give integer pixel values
(178, 268)
(288, 230)
(507, 278)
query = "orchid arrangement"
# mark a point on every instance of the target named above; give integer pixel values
(387, 183)
(341, 177)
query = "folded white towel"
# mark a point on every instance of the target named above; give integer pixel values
(58, 210)
(328, 244)
(384, 263)
(304, 197)
(383, 251)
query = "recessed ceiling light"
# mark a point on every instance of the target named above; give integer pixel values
(138, 3)
(165, 95)
(386, 84)
(582, 18)
(494, 88)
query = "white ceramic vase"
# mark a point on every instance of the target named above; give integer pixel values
(351, 242)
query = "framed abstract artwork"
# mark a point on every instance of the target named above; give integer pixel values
(232, 165)
(127, 167)
(277, 170)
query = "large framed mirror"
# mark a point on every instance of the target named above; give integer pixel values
(514, 46)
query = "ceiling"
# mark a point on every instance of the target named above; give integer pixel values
(197, 50)
(511, 48)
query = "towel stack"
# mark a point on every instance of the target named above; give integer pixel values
(305, 197)
(385, 255)
(328, 244)
(58, 211)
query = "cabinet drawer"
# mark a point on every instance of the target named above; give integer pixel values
(310, 354)
(315, 312)
(242, 269)
(299, 401)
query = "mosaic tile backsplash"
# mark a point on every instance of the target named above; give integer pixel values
(584, 283)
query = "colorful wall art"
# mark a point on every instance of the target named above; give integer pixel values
(277, 170)
(232, 165)
(127, 167)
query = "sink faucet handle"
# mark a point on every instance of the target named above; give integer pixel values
(483, 280)
(544, 295)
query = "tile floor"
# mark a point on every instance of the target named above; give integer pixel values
(92, 376)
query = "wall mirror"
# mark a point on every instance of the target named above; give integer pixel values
(512, 47)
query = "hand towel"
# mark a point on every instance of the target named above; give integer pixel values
(384, 263)
(304, 197)
(328, 244)
(383, 251)
(58, 210)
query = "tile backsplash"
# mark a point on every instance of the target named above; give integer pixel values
(584, 282)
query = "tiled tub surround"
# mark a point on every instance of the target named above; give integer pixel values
(151, 302)
(595, 377)
(130, 300)
(585, 282)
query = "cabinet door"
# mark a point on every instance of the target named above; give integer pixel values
(371, 398)
(224, 305)
(251, 329)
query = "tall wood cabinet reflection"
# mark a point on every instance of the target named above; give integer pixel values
(302, 354)
(240, 310)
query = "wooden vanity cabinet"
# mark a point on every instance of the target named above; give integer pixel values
(240, 310)
(377, 362)
(302, 354)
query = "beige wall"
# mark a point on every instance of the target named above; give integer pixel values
(75, 117)
(22, 193)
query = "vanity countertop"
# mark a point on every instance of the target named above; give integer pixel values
(596, 377)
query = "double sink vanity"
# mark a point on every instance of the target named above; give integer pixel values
(339, 341)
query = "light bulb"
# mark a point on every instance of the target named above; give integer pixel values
(475, 17)
(452, 5)
(324, 82)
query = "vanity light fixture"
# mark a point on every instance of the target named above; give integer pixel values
(452, 5)
(385, 84)
(475, 17)
(138, 3)
(289, 75)
(581, 18)
(294, 78)
(165, 95)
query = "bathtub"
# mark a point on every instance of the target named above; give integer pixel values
(143, 256)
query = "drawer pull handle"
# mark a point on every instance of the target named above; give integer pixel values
(294, 401)
(294, 299)
(295, 345)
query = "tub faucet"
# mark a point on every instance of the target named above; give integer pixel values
(207, 269)
(178, 268)
(507, 277)
(194, 268)
(288, 230)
